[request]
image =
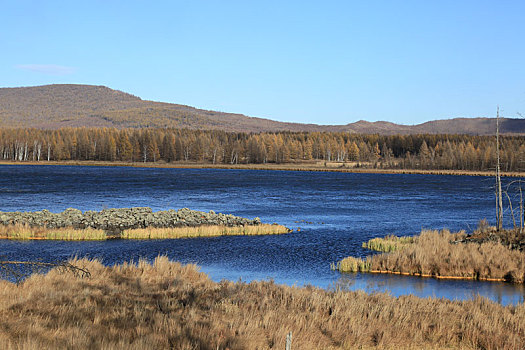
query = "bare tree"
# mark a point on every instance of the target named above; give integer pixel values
(499, 199)
(18, 270)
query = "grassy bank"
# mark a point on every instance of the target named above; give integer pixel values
(166, 305)
(438, 254)
(21, 232)
(347, 167)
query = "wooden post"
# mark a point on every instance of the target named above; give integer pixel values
(289, 341)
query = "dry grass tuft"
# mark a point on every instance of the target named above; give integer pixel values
(435, 254)
(167, 305)
(351, 264)
(389, 243)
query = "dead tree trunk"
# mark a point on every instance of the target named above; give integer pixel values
(511, 209)
(499, 203)
(522, 208)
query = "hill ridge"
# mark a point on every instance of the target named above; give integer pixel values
(77, 105)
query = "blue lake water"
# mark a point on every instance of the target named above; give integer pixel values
(335, 212)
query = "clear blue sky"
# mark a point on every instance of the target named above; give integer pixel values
(328, 62)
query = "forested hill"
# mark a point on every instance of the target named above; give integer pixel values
(56, 106)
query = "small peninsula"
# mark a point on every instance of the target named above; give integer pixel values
(485, 255)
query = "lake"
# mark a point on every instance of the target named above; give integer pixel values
(335, 213)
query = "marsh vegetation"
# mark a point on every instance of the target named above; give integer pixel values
(442, 254)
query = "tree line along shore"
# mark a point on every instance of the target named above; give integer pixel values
(435, 152)
(128, 223)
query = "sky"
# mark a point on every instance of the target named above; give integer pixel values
(324, 62)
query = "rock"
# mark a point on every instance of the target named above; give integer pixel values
(116, 220)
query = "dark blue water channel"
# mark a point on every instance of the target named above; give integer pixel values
(335, 212)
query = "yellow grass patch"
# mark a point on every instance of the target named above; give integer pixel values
(203, 231)
(24, 231)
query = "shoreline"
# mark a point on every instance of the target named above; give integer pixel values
(438, 277)
(313, 167)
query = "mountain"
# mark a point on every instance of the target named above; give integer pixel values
(68, 105)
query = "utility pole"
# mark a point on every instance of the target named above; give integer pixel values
(499, 200)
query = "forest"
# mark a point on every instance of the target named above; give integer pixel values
(423, 151)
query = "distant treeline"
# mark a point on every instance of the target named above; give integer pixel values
(428, 151)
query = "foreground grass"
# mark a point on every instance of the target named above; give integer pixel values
(167, 305)
(433, 254)
(22, 231)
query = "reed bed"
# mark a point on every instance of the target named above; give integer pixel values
(434, 254)
(26, 232)
(203, 231)
(389, 243)
(166, 305)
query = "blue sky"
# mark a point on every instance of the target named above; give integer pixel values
(326, 62)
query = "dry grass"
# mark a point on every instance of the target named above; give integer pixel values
(203, 231)
(388, 243)
(433, 254)
(24, 231)
(166, 305)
